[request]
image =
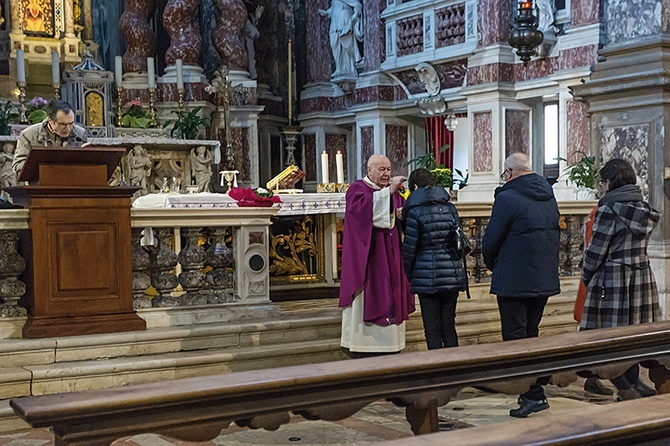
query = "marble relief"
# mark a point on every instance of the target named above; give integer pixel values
(630, 19)
(578, 130)
(367, 147)
(630, 143)
(517, 132)
(396, 148)
(482, 153)
(309, 145)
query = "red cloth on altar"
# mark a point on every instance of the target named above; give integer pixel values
(372, 262)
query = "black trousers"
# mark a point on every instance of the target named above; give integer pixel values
(438, 312)
(520, 318)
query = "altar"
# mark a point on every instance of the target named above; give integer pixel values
(304, 238)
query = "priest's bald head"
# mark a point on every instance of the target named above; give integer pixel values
(379, 170)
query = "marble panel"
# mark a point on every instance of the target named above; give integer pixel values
(322, 104)
(577, 57)
(517, 131)
(484, 74)
(396, 148)
(584, 12)
(482, 142)
(629, 142)
(309, 144)
(372, 94)
(374, 41)
(192, 92)
(367, 147)
(335, 142)
(578, 130)
(272, 108)
(493, 20)
(241, 147)
(632, 19)
(317, 41)
(536, 69)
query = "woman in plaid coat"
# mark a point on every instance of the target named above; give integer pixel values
(620, 284)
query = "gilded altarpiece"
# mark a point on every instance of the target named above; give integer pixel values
(297, 250)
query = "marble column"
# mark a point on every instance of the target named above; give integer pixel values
(181, 22)
(226, 35)
(141, 43)
(629, 119)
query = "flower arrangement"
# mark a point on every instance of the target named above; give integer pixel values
(258, 197)
(443, 175)
(37, 110)
(135, 116)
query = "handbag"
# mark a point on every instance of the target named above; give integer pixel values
(463, 248)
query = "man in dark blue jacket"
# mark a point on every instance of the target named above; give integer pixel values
(520, 246)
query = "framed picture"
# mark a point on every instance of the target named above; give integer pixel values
(38, 17)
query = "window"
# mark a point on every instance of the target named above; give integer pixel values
(550, 127)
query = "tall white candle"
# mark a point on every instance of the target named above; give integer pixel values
(324, 168)
(118, 71)
(179, 64)
(20, 66)
(340, 167)
(151, 72)
(55, 68)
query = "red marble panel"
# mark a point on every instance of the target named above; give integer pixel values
(584, 12)
(493, 20)
(192, 92)
(536, 69)
(335, 142)
(482, 142)
(517, 131)
(578, 57)
(272, 107)
(483, 74)
(309, 143)
(396, 148)
(374, 43)
(241, 147)
(367, 147)
(318, 68)
(578, 130)
(373, 93)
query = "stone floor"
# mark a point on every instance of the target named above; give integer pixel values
(378, 422)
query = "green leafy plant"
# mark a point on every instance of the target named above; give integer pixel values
(8, 115)
(135, 116)
(583, 173)
(443, 175)
(187, 125)
(36, 110)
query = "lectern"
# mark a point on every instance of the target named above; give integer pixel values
(78, 249)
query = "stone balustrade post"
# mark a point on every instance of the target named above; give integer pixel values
(192, 259)
(11, 266)
(163, 260)
(141, 263)
(219, 258)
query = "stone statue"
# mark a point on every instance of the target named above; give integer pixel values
(201, 167)
(545, 16)
(139, 168)
(346, 31)
(250, 33)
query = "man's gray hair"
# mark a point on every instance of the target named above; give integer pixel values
(518, 162)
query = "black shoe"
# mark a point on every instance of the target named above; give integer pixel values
(594, 385)
(527, 407)
(628, 394)
(644, 390)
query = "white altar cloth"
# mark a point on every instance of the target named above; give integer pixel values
(292, 204)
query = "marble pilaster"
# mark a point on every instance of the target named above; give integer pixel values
(517, 131)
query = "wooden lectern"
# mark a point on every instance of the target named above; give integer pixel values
(78, 250)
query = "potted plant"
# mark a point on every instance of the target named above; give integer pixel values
(584, 175)
(187, 125)
(8, 115)
(443, 175)
(135, 116)
(36, 110)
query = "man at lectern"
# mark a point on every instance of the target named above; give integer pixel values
(58, 129)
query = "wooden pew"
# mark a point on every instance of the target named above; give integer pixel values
(196, 409)
(643, 421)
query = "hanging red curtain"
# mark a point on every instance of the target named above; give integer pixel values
(438, 136)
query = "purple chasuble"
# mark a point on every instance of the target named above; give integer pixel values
(372, 261)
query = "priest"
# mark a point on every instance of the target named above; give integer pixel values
(374, 291)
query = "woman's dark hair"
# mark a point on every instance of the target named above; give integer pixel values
(618, 172)
(421, 177)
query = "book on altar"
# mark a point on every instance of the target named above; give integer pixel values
(286, 180)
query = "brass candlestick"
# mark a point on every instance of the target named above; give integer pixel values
(23, 119)
(152, 107)
(57, 92)
(119, 105)
(180, 102)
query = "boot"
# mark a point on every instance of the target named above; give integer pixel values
(644, 389)
(628, 394)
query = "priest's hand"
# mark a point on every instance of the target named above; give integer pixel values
(395, 183)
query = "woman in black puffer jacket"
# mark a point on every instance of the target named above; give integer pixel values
(432, 264)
